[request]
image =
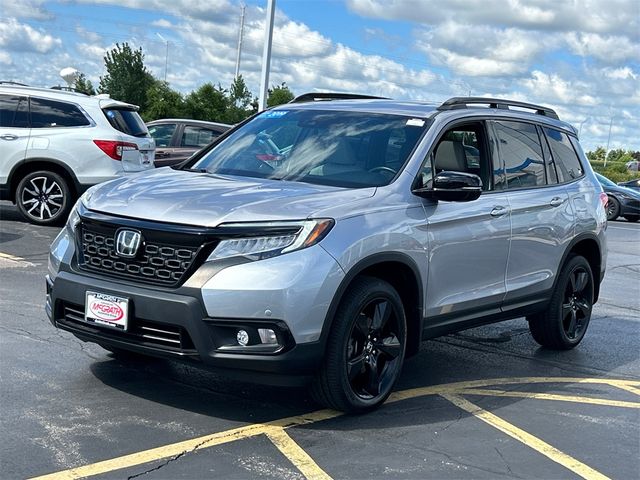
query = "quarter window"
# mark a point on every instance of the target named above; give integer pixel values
(519, 147)
(49, 113)
(14, 111)
(564, 156)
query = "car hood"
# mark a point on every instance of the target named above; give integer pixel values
(203, 199)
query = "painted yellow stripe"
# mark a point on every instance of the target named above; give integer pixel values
(529, 440)
(248, 431)
(11, 257)
(191, 445)
(301, 459)
(551, 396)
(630, 388)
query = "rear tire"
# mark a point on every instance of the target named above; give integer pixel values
(365, 349)
(44, 198)
(613, 209)
(563, 325)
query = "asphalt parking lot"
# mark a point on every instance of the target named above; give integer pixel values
(484, 403)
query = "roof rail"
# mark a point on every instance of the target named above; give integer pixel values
(327, 96)
(463, 102)
(9, 82)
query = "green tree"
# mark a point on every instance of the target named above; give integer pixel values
(163, 102)
(279, 94)
(84, 85)
(598, 155)
(127, 79)
(207, 103)
(240, 102)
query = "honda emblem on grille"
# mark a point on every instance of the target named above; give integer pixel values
(127, 242)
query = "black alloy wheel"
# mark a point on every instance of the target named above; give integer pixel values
(43, 198)
(613, 209)
(365, 348)
(564, 323)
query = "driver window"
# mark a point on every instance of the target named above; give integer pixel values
(461, 149)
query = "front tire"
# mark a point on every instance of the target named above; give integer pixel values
(563, 325)
(44, 198)
(365, 350)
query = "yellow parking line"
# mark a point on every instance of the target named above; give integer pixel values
(11, 257)
(191, 445)
(629, 388)
(301, 459)
(449, 390)
(529, 440)
(550, 396)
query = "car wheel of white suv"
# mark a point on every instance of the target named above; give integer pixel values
(365, 349)
(563, 325)
(44, 198)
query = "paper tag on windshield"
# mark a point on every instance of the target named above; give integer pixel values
(275, 113)
(415, 122)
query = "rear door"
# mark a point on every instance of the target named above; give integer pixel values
(14, 132)
(166, 136)
(468, 241)
(542, 219)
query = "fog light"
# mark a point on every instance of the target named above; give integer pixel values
(268, 336)
(243, 337)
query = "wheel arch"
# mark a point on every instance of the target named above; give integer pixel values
(41, 163)
(399, 270)
(588, 246)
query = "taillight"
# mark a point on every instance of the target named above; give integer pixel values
(604, 199)
(113, 148)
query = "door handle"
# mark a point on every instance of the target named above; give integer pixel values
(161, 154)
(8, 136)
(556, 201)
(499, 210)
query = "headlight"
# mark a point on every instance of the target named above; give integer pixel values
(74, 218)
(259, 240)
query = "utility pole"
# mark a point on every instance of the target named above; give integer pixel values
(166, 55)
(608, 140)
(266, 55)
(240, 35)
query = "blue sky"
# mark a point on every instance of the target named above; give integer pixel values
(582, 57)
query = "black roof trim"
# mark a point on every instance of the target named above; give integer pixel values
(464, 102)
(327, 96)
(9, 82)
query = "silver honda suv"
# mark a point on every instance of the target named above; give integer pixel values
(321, 241)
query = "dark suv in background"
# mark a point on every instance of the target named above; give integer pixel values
(178, 139)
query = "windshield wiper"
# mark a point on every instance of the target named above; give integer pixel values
(197, 170)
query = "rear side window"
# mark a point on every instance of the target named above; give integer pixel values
(14, 111)
(126, 121)
(51, 114)
(520, 148)
(564, 156)
(162, 134)
(197, 136)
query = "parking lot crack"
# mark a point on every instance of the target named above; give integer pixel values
(169, 460)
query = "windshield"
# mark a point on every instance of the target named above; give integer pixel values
(343, 149)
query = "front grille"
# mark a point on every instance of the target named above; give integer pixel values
(163, 258)
(141, 332)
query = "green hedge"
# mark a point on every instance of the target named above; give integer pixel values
(615, 171)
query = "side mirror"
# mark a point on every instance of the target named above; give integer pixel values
(452, 187)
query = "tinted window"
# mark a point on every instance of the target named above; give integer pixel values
(552, 176)
(162, 133)
(520, 149)
(49, 113)
(344, 149)
(564, 156)
(14, 111)
(197, 136)
(461, 149)
(126, 121)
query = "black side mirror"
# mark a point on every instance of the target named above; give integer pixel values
(452, 187)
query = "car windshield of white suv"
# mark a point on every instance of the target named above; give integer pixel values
(343, 149)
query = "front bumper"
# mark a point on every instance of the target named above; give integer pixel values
(180, 329)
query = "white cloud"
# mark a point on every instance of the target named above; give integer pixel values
(20, 37)
(5, 58)
(25, 9)
(610, 49)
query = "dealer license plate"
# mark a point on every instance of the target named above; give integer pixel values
(106, 310)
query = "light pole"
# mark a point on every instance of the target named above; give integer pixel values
(608, 140)
(581, 124)
(166, 55)
(266, 55)
(240, 35)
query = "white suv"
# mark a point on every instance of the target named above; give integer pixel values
(55, 144)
